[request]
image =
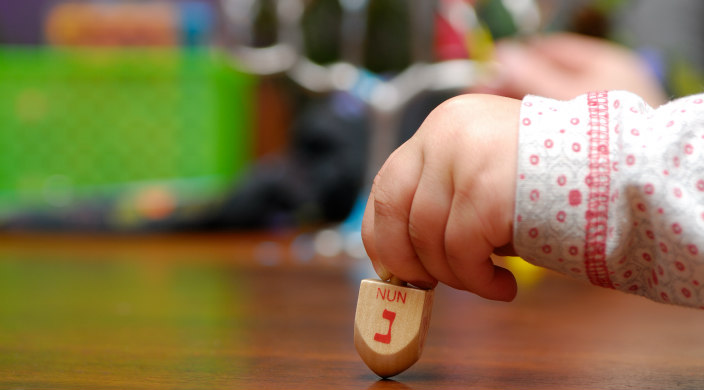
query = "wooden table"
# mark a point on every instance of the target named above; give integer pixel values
(240, 312)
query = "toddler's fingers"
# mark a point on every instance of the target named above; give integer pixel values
(428, 217)
(368, 239)
(392, 192)
(468, 253)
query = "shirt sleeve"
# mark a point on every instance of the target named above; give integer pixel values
(611, 191)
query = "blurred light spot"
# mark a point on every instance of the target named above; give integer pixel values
(155, 203)
(354, 247)
(302, 248)
(385, 97)
(267, 253)
(328, 243)
(343, 76)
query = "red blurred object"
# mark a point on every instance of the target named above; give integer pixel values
(453, 29)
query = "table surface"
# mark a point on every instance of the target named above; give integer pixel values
(243, 311)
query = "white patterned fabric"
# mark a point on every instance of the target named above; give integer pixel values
(611, 190)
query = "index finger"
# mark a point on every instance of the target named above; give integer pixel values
(385, 229)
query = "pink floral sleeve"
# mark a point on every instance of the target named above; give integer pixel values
(611, 191)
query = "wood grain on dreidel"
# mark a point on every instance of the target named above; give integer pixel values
(391, 323)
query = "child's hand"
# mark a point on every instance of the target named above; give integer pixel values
(444, 200)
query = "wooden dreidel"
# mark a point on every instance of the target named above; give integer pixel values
(390, 325)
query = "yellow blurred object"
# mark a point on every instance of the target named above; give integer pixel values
(480, 44)
(527, 274)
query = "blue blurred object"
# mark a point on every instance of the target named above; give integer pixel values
(197, 22)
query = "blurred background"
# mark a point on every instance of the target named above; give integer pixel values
(193, 115)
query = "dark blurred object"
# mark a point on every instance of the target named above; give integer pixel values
(265, 24)
(592, 21)
(322, 31)
(387, 46)
(318, 180)
(21, 22)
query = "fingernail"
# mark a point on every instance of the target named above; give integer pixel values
(381, 271)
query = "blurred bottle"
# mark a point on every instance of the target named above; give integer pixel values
(387, 46)
(322, 22)
(266, 26)
(497, 18)
(198, 22)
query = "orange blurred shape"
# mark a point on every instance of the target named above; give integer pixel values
(155, 203)
(113, 24)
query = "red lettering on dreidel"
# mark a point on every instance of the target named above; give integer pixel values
(386, 338)
(385, 295)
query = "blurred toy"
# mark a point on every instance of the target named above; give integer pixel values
(80, 124)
